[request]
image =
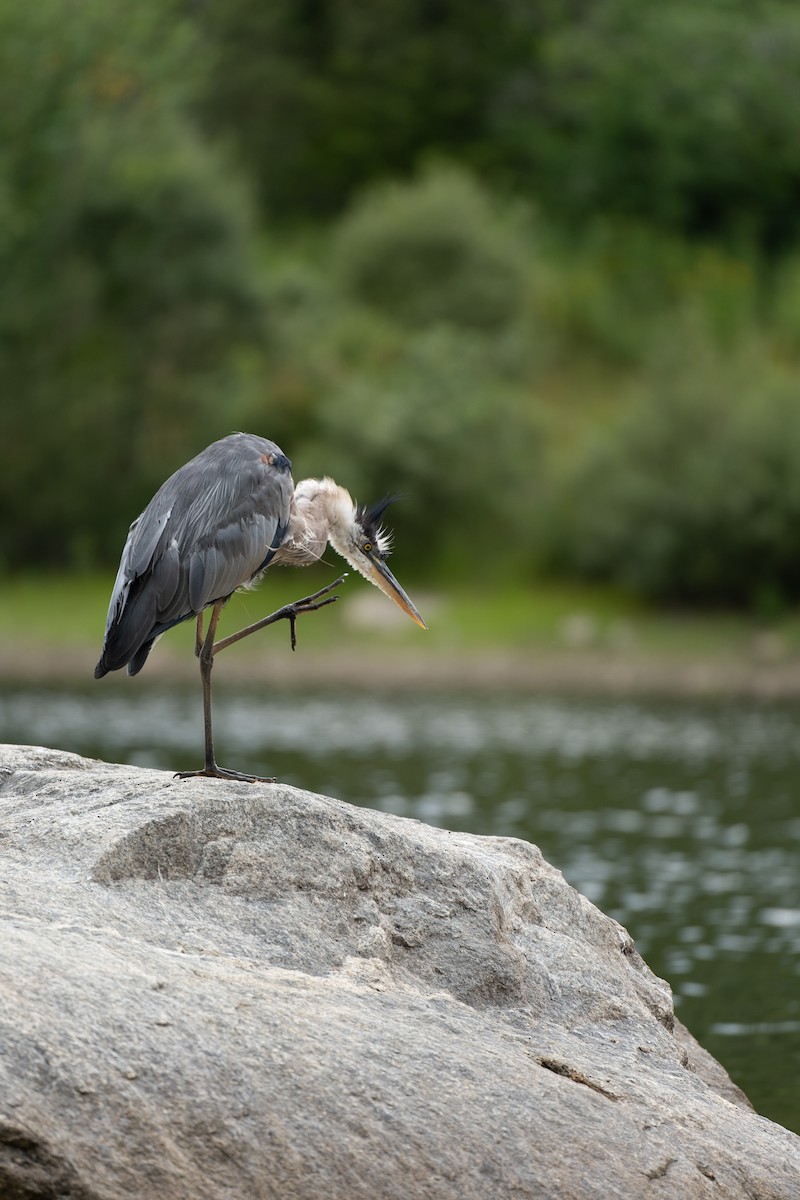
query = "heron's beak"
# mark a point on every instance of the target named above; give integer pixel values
(377, 572)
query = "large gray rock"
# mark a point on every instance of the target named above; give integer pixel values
(231, 990)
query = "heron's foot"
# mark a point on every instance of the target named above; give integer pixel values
(215, 772)
(293, 611)
(309, 604)
(289, 612)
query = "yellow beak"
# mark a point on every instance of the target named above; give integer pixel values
(377, 572)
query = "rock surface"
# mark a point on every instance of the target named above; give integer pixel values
(247, 991)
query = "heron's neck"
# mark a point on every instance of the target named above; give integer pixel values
(323, 511)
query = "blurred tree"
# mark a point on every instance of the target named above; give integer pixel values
(438, 424)
(429, 337)
(439, 248)
(322, 96)
(128, 295)
(611, 291)
(692, 494)
(685, 114)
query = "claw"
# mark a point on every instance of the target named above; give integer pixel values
(216, 772)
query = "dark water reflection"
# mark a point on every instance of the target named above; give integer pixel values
(680, 820)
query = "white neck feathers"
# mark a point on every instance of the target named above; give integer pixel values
(322, 512)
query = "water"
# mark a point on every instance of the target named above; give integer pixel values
(679, 819)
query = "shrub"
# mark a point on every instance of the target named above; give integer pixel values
(693, 493)
(613, 291)
(323, 99)
(435, 421)
(435, 250)
(685, 115)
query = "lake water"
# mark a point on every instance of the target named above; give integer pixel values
(682, 820)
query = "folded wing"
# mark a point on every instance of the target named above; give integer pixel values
(209, 529)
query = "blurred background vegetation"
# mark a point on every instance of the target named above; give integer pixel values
(534, 266)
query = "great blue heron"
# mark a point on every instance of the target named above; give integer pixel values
(215, 526)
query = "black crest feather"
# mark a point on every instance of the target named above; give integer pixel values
(370, 521)
(370, 518)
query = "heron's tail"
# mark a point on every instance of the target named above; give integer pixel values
(134, 663)
(140, 657)
(130, 631)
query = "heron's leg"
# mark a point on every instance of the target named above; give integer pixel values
(289, 612)
(206, 656)
(198, 636)
(206, 648)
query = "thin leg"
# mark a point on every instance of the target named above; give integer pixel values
(198, 636)
(289, 612)
(211, 769)
(206, 648)
(206, 663)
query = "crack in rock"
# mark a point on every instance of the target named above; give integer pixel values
(568, 1072)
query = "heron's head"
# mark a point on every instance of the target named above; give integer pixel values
(358, 535)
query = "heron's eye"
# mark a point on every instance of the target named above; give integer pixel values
(367, 547)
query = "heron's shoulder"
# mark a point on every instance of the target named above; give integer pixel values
(238, 450)
(240, 469)
(237, 480)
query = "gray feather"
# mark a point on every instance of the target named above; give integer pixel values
(209, 529)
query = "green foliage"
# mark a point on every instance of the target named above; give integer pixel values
(322, 98)
(127, 292)
(438, 424)
(434, 250)
(439, 415)
(784, 305)
(614, 292)
(693, 493)
(609, 391)
(673, 477)
(685, 114)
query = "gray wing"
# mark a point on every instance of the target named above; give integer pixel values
(210, 528)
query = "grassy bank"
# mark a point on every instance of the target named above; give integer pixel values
(542, 636)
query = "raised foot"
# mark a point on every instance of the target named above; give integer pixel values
(216, 772)
(289, 612)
